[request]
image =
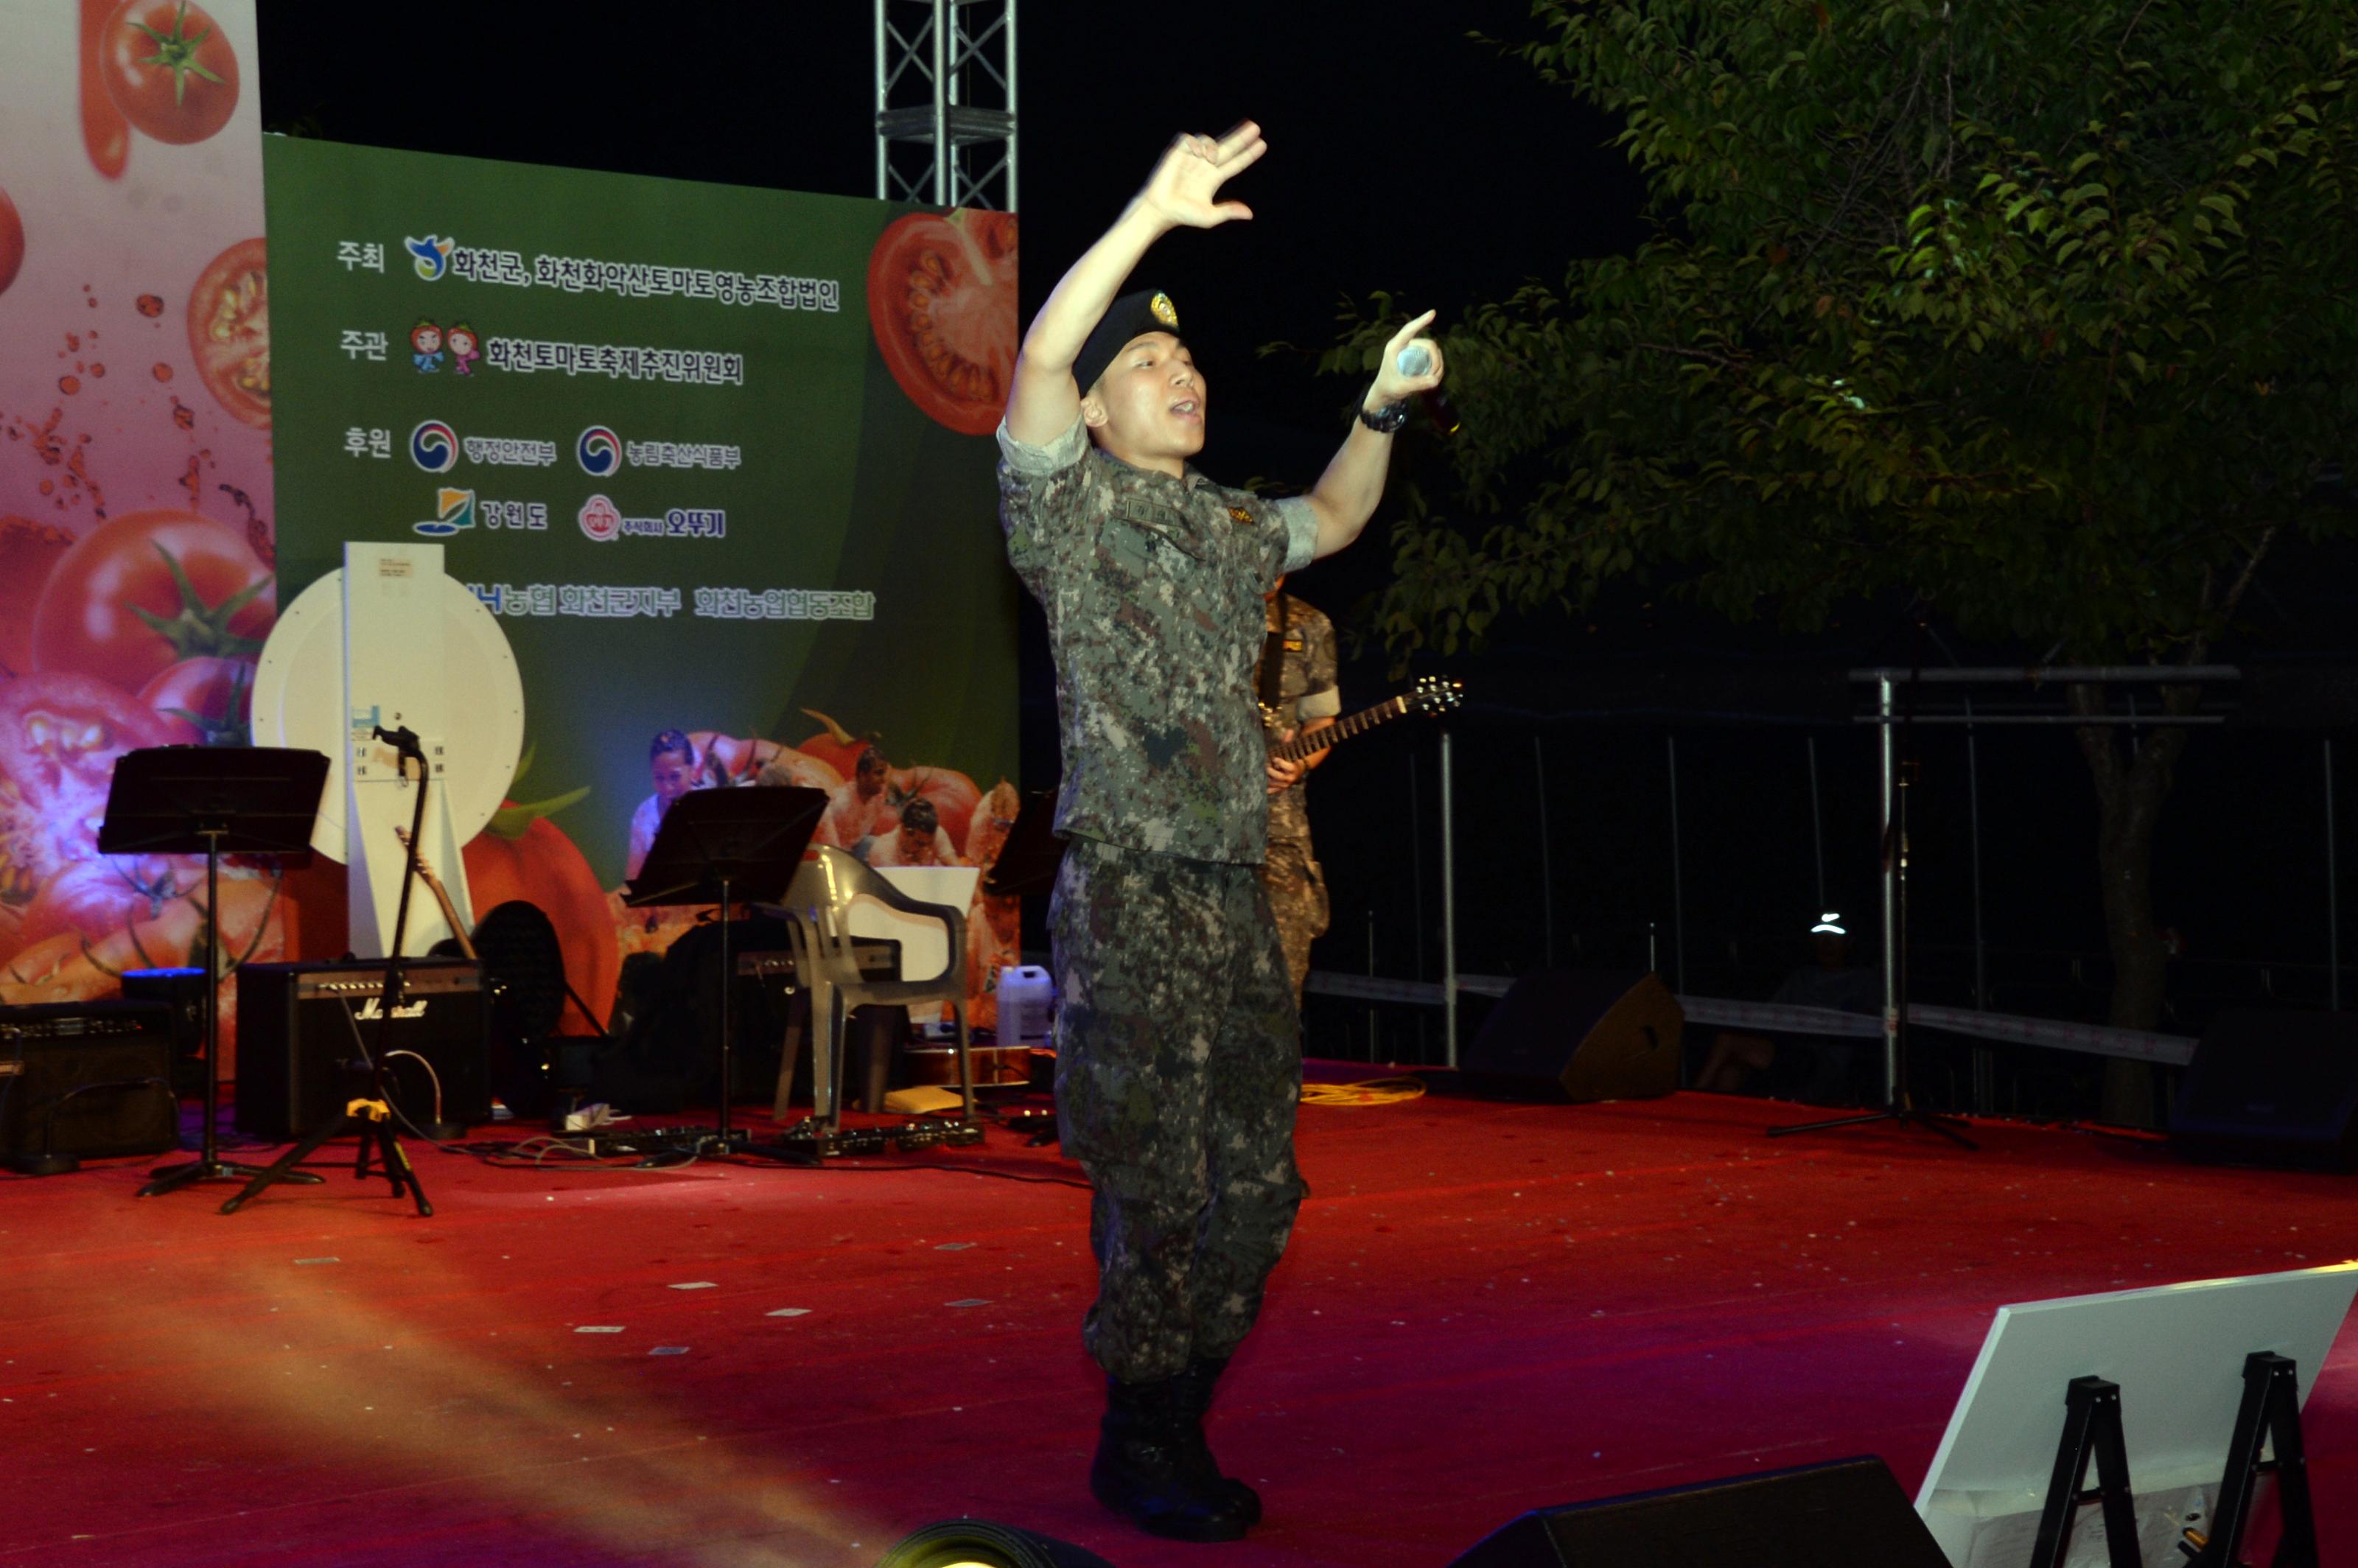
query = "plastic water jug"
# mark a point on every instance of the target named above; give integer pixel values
(1026, 997)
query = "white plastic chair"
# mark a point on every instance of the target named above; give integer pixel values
(819, 912)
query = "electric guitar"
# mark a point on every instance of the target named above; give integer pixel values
(1432, 694)
(441, 896)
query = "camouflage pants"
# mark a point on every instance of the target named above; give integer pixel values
(1178, 1071)
(1297, 900)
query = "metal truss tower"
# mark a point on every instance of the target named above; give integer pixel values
(946, 103)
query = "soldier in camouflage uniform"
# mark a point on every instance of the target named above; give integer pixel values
(1296, 682)
(1178, 1052)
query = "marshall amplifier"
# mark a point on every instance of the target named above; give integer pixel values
(87, 1079)
(300, 1028)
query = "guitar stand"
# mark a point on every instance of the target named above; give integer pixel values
(372, 1116)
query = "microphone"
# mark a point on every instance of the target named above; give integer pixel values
(1417, 359)
(403, 740)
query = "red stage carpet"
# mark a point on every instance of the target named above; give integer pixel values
(1487, 1308)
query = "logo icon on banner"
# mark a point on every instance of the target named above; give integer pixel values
(434, 446)
(598, 451)
(600, 519)
(453, 510)
(432, 256)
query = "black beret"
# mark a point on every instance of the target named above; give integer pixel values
(1131, 316)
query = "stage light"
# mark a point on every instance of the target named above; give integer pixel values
(979, 1543)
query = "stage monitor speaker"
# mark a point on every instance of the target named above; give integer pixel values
(301, 1026)
(87, 1079)
(2272, 1089)
(1845, 1514)
(1584, 1033)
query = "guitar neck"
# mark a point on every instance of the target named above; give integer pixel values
(1342, 729)
(441, 896)
(450, 911)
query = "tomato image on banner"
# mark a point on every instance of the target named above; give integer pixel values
(148, 589)
(941, 300)
(105, 133)
(229, 332)
(11, 242)
(523, 855)
(136, 580)
(169, 69)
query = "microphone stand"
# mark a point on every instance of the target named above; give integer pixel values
(371, 1115)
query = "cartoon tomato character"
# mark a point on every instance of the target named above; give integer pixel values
(941, 300)
(105, 133)
(229, 332)
(426, 347)
(169, 69)
(11, 242)
(148, 588)
(466, 348)
(525, 855)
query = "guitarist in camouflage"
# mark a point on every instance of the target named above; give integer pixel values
(1298, 697)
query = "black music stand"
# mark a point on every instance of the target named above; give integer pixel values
(726, 847)
(212, 801)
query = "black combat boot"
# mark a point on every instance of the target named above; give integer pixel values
(1142, 1469)
(1194, 1400)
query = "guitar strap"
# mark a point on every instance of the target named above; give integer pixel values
(1271, 678)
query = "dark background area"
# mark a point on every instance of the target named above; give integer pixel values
(1408, 158)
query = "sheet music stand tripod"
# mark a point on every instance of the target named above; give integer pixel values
(728, 847)
(212, 801)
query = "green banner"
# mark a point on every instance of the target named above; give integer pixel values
(655, 425)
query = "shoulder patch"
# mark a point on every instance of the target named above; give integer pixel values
(1295, 645)
(1240, 516)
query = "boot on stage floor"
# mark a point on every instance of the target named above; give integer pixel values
(1194, 1401)
(1144, 1470)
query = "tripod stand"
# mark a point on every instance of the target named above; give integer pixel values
(369, 1114)
(1898, 756)
(182, 800)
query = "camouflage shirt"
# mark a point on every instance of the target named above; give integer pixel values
(1153, 587)
(1306, 692)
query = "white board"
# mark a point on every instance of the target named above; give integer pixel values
(2177, 1353)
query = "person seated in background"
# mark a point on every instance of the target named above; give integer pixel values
(919, 840)
(677, 768)
(1816, 1068)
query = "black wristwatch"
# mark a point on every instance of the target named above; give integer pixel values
(1384, 421)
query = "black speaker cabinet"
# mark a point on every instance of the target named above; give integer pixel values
(1847, 1514)
(2272, 1089)
(299, 1033)
(1582, 1034)
(87, 1079)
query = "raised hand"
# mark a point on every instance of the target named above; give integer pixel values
(1184, 188)
(1391, 385)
